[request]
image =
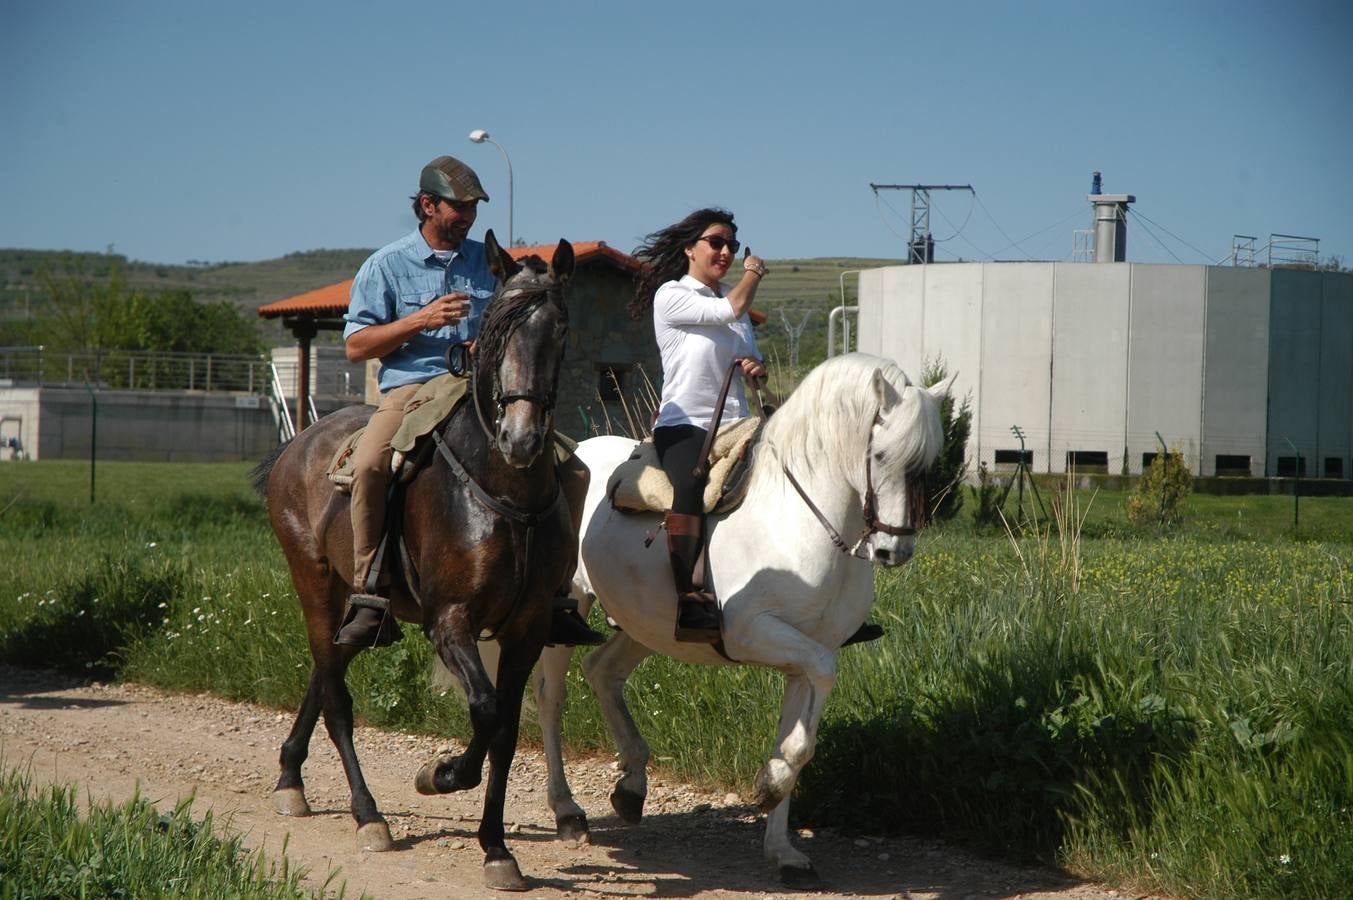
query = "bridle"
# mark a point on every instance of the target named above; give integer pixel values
(872, 523)
(462, 359)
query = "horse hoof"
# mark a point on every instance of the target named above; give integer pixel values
(628, 805)
(425, 782)
(800, 879)
(503, 875)
(290, 802)
(375, 836)
(764, 792)
(572, 829)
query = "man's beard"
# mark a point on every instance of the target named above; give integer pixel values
(452, 234)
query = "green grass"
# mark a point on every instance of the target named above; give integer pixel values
(51, 845)
(1168, 708)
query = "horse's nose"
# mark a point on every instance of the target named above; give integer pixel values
(522, 451)
(892, 556)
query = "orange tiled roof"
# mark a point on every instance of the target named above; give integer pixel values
(334, 298)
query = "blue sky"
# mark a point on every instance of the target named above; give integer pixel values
(243, 131)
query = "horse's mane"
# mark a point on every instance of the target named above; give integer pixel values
(509, 308)
(829, 415)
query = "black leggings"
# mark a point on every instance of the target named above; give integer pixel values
(679, 449)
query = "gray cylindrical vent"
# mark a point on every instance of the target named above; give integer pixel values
(1111, 226)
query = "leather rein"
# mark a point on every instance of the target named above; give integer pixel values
(872, 523)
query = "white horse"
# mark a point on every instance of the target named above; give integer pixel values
(856, 436)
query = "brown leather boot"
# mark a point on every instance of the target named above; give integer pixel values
(698, 618)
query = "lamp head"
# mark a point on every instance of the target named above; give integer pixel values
(479, 135)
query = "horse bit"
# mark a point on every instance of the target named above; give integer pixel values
(872, 523)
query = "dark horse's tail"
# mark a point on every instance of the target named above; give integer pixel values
(259, 477)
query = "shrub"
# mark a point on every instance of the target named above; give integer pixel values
(945, 478)
(1160, 492)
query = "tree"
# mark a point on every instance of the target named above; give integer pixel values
(87, 314)
(943, 480)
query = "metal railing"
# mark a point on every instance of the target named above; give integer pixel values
(281, 413)
(134, 370)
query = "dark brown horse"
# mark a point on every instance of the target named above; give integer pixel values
(488, 539)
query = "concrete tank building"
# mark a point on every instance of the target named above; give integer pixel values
(1244, 370)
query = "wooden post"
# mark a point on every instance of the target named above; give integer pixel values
(305, 329)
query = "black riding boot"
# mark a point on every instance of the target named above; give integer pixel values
(866, 632)
(698, 618)
(367, 622)
(568, 628)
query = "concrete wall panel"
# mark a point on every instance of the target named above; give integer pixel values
(1089, 373)
(1235, 376)
(953, 326)
(1016, 361)
(1165, 362)
(1294, 367)
(155, 427)
(871, 294)
(1335, 437)
(891, 321)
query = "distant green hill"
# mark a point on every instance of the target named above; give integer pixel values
(794, 286)
(251, 284)
(248, 285)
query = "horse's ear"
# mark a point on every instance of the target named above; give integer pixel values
(562, 264)
(501, 263)
(944, 388)
(884, 390)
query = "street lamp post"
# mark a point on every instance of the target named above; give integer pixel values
(479, 136)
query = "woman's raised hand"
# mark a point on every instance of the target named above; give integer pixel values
(753, 263)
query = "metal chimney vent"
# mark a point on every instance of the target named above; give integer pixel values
(1110, 223)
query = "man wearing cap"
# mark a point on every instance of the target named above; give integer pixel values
(411, 300)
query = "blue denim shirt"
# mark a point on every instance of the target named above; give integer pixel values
(404, 276)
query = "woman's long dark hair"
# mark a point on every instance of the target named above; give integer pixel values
(663, 254)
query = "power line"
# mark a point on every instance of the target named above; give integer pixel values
(1172, 234)
(1012, 243)
(972, 205)
(1041, 231)
(1154, 238)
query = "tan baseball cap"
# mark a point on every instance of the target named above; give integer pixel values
(448, 177)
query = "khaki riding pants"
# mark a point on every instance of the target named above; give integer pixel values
(371, 479)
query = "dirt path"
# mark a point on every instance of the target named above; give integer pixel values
(110, 739)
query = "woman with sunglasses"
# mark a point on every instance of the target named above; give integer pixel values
(701, 326)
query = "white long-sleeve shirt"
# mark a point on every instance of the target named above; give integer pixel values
(698, 337)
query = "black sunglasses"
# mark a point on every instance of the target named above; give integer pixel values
(717, 242)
